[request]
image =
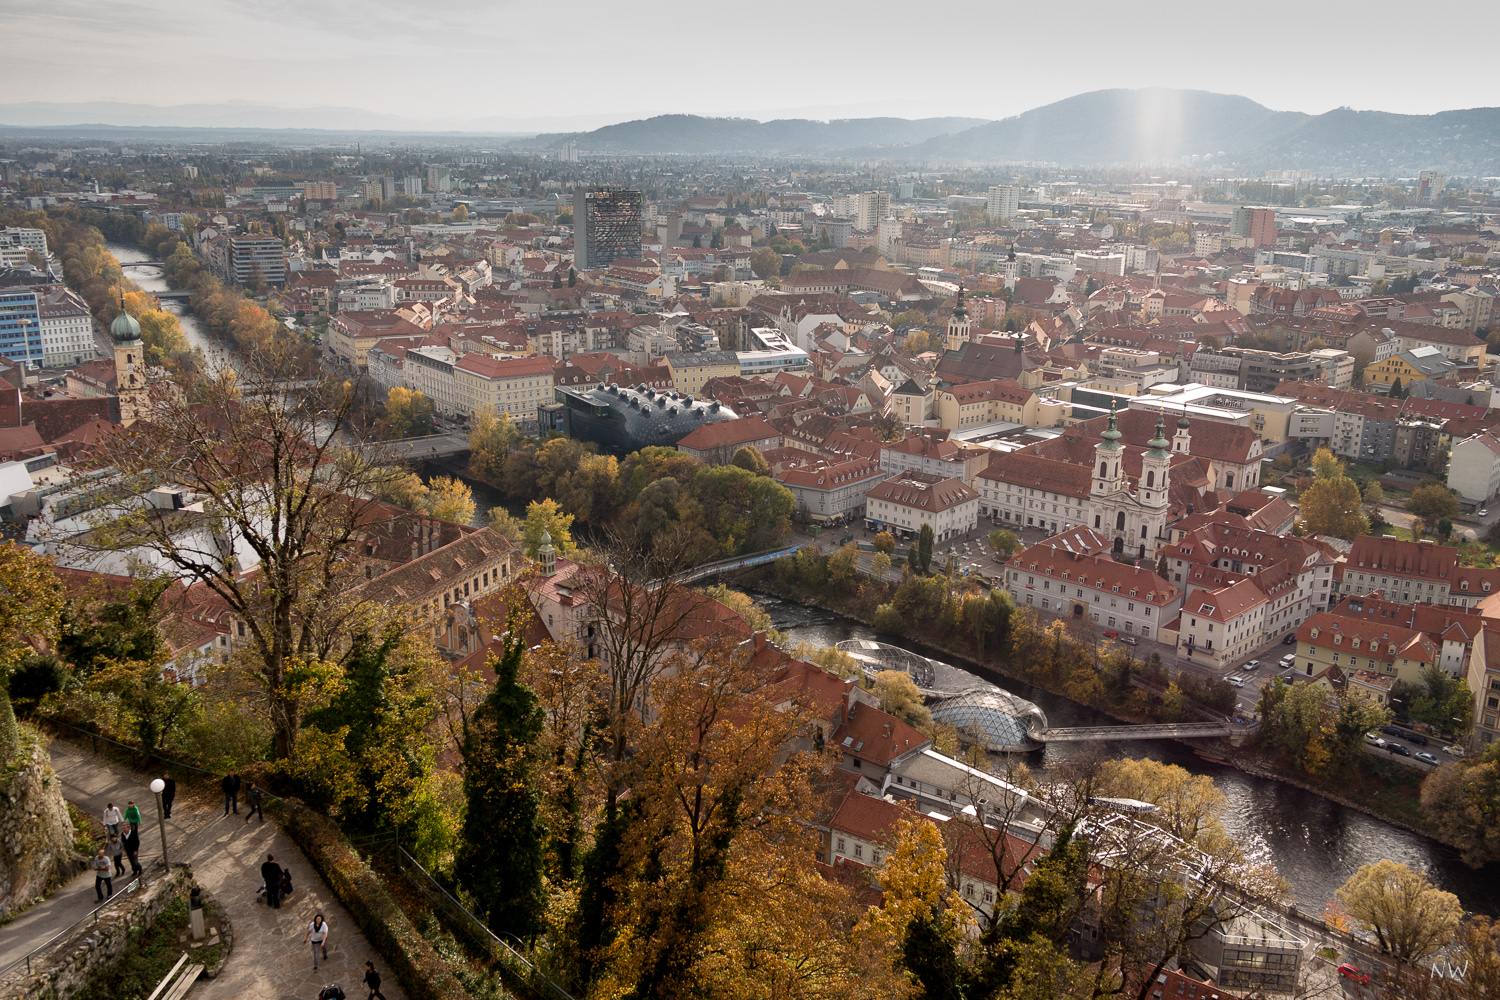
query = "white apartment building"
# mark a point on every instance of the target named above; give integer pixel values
(1027, 490)
(873, 206)
(67, 329)
(484, 383)
(366, 294)
(1070, 575)
(24, 236)
(909, 500)
(1223, 626)
(1004, 201)
(1474, 468)
(829, 490)
(429, 370)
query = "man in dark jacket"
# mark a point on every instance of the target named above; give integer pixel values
(253, 797)
(133, 850)
(271, 873)
(231, 786)
(167, 795)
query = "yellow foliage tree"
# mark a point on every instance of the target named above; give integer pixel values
(1410, 917)
(30, 602)
(451, 499)
(547, 516)
(915, 882)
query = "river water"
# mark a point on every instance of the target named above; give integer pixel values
(1316, 844)
(151, 279)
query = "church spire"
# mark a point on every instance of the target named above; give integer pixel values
(961, 311)
(1159, 443)
(1111, 433)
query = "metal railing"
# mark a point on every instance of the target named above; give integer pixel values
(11, 971)
(512, 958)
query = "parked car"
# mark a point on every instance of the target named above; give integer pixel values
(1455, 751)
(1416, 738)
(1110, 633)
(1289, 639)
(1427, 758)
(1252, 664)
(1287, 661)
(1129, 640)
(1484, 512)
(1374, 738)
(1352, 972)
(1398, 749)
(1390, 730)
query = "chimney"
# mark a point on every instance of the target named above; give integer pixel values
(759, 641)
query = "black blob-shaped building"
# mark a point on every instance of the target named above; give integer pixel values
(622, 419)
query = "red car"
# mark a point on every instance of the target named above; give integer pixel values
(1111, 634)
(1350, 972)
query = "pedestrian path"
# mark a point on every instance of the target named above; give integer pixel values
(269, 961)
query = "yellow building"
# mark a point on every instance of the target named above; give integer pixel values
(483, 383)
(961, 407)
(1351, 644)
(1411, 366)
(691, 369)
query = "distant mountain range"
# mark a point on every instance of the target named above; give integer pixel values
(1154, 126)
(796, 136)
(1144, 127)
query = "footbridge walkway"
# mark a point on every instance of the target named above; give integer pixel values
(1159, 731)
(417, 448)
(736, 564)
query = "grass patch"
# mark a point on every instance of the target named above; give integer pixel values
(1476, 554)
(481, 982)
(153, 952)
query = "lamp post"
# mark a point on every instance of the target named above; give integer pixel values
(157, 787)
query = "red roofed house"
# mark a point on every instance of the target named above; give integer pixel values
(483, 383)
(716, 443)
(1071, 574)
(908, 500)
(831, 491)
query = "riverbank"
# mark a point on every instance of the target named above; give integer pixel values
(1249, 760)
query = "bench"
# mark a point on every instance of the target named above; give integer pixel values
(175, 984)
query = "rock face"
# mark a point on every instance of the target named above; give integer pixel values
(36, 835)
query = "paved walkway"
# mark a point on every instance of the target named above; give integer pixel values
(269, 961)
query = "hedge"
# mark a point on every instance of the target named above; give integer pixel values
(416, 965)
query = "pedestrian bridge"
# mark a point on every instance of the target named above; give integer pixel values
(418, 448)
(1160, 731)
(736, 564)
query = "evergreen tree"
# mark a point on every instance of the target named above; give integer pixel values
(500, 862)
(925, 539)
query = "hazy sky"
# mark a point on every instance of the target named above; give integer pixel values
(466, 60)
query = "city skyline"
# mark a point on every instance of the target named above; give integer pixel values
(366, 63)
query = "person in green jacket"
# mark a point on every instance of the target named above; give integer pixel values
(133, 816)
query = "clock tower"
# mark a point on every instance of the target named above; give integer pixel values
(130, 366)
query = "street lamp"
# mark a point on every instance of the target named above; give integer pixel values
(157, 787)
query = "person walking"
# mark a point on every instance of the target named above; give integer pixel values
(132, 842)
(112, 818)
(102, 877)
(317, 934)
(133, 816)
(372, 980)
(253, 797)
(167, 795)
(231, 786)
(270, 872)
(116, 851)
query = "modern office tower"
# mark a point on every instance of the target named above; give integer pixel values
(1005, 201)
(606, 225)
(20, 326)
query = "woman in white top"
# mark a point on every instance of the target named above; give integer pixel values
(112, 819)
(317, 933)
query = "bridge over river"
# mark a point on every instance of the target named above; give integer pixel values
(1156, 731)
(420, 448)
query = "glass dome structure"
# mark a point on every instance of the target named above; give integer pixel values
(995, 719)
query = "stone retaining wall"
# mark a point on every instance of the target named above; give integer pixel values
(36, 834)
(63, 969)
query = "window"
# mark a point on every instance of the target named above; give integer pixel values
(859, 850)
(841, 845)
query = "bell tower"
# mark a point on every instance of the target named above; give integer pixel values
(1156, 465)
(958, 323)
(130, 366)
(1182, 441)
(1109, 465)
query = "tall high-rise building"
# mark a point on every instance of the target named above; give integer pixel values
(1259, 224)
(411, 187)
(606, 225)
(438, 178)
(1005, 202)
(873, 206)
(20, 326)
(568, 152)
(1430, 186)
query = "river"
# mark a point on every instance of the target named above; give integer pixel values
(1316, 844)
(152, 279)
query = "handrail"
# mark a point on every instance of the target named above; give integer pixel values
(557, 991)
(131, 886)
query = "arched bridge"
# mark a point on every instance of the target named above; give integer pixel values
(736, 564)
(1160, 731)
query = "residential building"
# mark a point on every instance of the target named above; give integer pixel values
(913, 401)
(830, 491)
(908, 500)
(607, 225)
(1452, 628)
(1379, 647)
(429, 370)
(249, 254)
(1220, 627)
(716, 443)
(1258, 225)
(1402, 571)
(1072, 575)
(1474, 468)
(1484, 682)
(1004, 202)
(958, 407)
(483, 383)
(1412, 366)
(932, 452)
(352, 334)
(873, 206)
(67, 328)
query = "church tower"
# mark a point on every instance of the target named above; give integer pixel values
(1182, 440)
(1156, 466)
(130, 367)
(958, 324)
(1109, 465)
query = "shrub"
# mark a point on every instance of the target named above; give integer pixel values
(422, 973)
(888, 619)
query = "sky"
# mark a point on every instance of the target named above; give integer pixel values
(523, 66)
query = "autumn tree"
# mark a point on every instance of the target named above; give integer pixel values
(547, 517)
(750, 458)
(1188, 806)
(1462, 800)
(923, 547)
(30, 602)
(880, 565)
(900, 696)
(1003, 543)
(1409, 917)
(885, 542)
(408, 413)
(765, 263)
(1326, 465)
(1432, 502)
(1374, 495)
(843, 565)
(286, 505)
(921, 919)
(491, 441)
(451, 499)
(1333, 507)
